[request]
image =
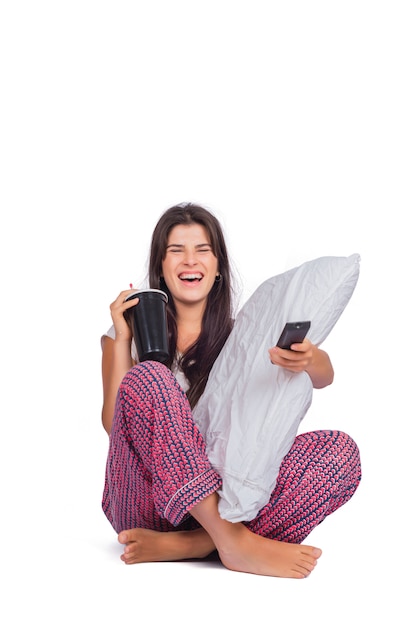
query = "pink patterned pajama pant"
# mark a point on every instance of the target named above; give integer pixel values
(157, 468)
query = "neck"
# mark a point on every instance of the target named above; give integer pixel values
(189, 320)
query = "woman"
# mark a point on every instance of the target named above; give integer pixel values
(158, 476)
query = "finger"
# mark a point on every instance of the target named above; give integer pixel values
(130, 303)
(130, 292)
(284, 356)
(126, 293)
(282, 361)
(304, 346)
(121, 303)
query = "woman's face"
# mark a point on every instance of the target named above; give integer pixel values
(189, 267)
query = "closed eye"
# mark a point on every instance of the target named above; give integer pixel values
(203, 247)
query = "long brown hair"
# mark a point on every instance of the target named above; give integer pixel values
(217, 322)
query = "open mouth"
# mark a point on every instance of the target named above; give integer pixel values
(191, 278)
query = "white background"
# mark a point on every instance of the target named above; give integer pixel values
(295, 123)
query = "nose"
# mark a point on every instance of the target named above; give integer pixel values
(189, 257)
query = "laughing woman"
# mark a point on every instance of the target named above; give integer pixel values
(161, 492)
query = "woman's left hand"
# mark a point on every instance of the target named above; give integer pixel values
(305, 357)
(298, 359)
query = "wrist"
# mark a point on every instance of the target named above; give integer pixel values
(121, 339)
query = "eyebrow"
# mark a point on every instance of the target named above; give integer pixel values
(180, 245)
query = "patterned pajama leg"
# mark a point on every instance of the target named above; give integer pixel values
(318, 475)
(157, 467)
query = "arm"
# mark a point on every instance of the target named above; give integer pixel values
(305, 357)
(116, 359)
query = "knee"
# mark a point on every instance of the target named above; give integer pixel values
(146, 368)
(150, 375)
(347, 444)
(346, 452)
(334, 447)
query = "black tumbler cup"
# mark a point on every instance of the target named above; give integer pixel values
(148, 321)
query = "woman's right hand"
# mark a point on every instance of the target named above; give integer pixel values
(116, 358)
(117, 308)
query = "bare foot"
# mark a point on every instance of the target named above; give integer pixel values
(243, 551)
(251, 553)
(143, 545)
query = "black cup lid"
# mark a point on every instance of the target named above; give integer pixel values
(139, 291)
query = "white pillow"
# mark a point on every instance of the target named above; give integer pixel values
(250, 411)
